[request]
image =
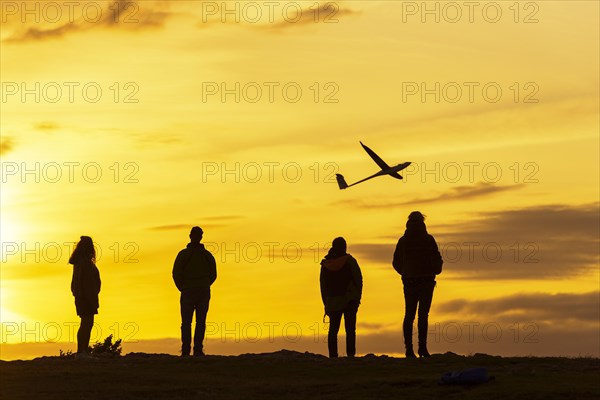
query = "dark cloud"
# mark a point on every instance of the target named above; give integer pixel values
(370, 326)
(374, 252)
(544, 242)
(326, 13)
(6, 145)
(122, 14)
(467, 192)
(583, 307)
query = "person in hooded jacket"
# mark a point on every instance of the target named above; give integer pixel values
(341, 291)
(418, 260)
(85, 286)
(194, 271)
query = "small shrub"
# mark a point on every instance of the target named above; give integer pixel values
(107, 347)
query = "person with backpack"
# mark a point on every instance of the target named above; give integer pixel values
(418, 260)
(341, 291)
(194, 271)
(85, 286)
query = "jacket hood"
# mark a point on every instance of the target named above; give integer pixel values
(193, 245)
(335, 264)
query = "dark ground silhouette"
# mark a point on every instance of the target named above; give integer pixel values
(293, 375)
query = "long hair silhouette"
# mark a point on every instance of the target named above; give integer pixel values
(84, 251)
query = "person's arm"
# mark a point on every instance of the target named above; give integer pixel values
(322, 283)
(178, 270)
(358, 279)
(437, 256)
(212, 265)
(89, 283)
(73, 288)
(398, 259)
(97, 281)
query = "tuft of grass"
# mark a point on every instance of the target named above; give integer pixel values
(65, 354)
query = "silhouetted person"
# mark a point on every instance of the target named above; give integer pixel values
(85, 286)
(341, 290)
(418, 260)
(194, 271)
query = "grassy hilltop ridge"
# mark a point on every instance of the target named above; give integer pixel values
(292, 375)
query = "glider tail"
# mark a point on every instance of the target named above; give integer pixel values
(341, 181)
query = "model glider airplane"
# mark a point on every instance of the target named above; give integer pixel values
(385, 169)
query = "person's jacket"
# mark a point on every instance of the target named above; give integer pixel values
(341, 282)
(85, 284)
(417, 256)
(194, 267)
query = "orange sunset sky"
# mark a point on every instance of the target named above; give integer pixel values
(131, 122)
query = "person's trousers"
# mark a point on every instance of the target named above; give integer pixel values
(193, 300)
(418, 293)
(335, 320)
(84, 333)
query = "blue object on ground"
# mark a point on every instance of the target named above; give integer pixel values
(466, 377)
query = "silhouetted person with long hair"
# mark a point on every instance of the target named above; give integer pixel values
(418, 260)
(341, 291)
(194, 271)
(85, 286)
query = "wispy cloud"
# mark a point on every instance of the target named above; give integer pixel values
(466, 192)
(146, 140)
(46, 126)
(120, 14)
(275, 21)
(173, 227)
(205, 222)
(326, 13)
(370, 326)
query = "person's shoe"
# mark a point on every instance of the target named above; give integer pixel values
(199, 353)
(410, 353)
(423, 352)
